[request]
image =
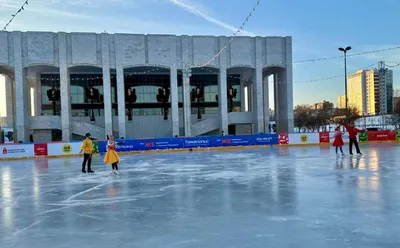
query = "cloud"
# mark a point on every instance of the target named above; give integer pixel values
(46, 10)
(195, 10)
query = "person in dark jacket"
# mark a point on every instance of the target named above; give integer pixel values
(353, 137)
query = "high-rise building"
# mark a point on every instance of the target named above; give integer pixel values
(324, 105)
(379, 90)
(341, 102)
(356, 91)
(371, 91)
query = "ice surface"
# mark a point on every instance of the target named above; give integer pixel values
(274, 197)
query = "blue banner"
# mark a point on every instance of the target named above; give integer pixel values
(192, 142)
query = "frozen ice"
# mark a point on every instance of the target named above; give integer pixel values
(272, 197)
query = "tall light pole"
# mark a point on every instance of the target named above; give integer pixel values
(344, 50)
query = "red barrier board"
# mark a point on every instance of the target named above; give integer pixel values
(381, 135)
(283, 139)
(324, 137)
(40, 149)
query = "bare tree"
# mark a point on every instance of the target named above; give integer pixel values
(396, 92)
(306, 117)
(394, 119)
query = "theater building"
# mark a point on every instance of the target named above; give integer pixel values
(62, 85)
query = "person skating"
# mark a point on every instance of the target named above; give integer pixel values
(87, 149)
(338, 140)
(353, 137)
(111, 156)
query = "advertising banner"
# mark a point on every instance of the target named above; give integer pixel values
(381, 135)
(363, 137)
(247, 140)
(266, 139)
(168, 143)
(58, 149)
(15, 151)
(398, 135)
(40, 149)
(324, 137)
(283, 139)
(203, 142)
(192, 142)
(8, 135)
(303, 138)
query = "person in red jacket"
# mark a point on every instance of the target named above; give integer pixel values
(353, 137)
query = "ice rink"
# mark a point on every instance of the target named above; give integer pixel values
(272, 197)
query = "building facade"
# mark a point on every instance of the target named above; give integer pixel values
(324, 105)
(379, 91)
(142, 86)
(356, 91)
(341, 102)
(371, 91)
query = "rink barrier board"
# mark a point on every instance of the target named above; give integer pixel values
(65, 149)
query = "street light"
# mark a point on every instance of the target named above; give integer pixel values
(344, 50)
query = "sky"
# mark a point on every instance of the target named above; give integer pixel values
(317, 28)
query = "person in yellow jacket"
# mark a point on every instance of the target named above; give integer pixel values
(87, 149)
(111, 156)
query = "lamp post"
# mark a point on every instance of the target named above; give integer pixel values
(344, 50)
(232, 93)
(93, 95)
(197, 95)
(54, 95)
(163, 97)
(130, 97)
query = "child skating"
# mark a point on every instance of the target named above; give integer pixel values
(338, 140)
(111, 156)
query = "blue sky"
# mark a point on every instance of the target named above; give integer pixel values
(318, 28)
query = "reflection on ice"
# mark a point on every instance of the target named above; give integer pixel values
(205, 199)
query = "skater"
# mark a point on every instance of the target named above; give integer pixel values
(87, 149)
(353, 137)
(338, 140)
(111, 156)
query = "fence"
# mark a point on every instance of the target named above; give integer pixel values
(18, 151)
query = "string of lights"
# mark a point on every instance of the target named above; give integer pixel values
(14, 15)
(295, 82)
(204, 69)
(232, 37)
(163, 67)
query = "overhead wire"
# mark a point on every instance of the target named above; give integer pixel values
(15, 15)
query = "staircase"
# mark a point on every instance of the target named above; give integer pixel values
(81, 128)
(205, 126)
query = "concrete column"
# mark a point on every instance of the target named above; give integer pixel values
(289, 84)
(174, 88)
(266, 104)
(38, 95)
(278, 104)
(187, 112)
(223, 100)
(32, 79)
(174, 100)
(223, 89)
(21, 92)
(105, 58)
(258, 108)
(10, 102)
(284, 93)
(242, 95)
(121, 102)
(65, 89)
